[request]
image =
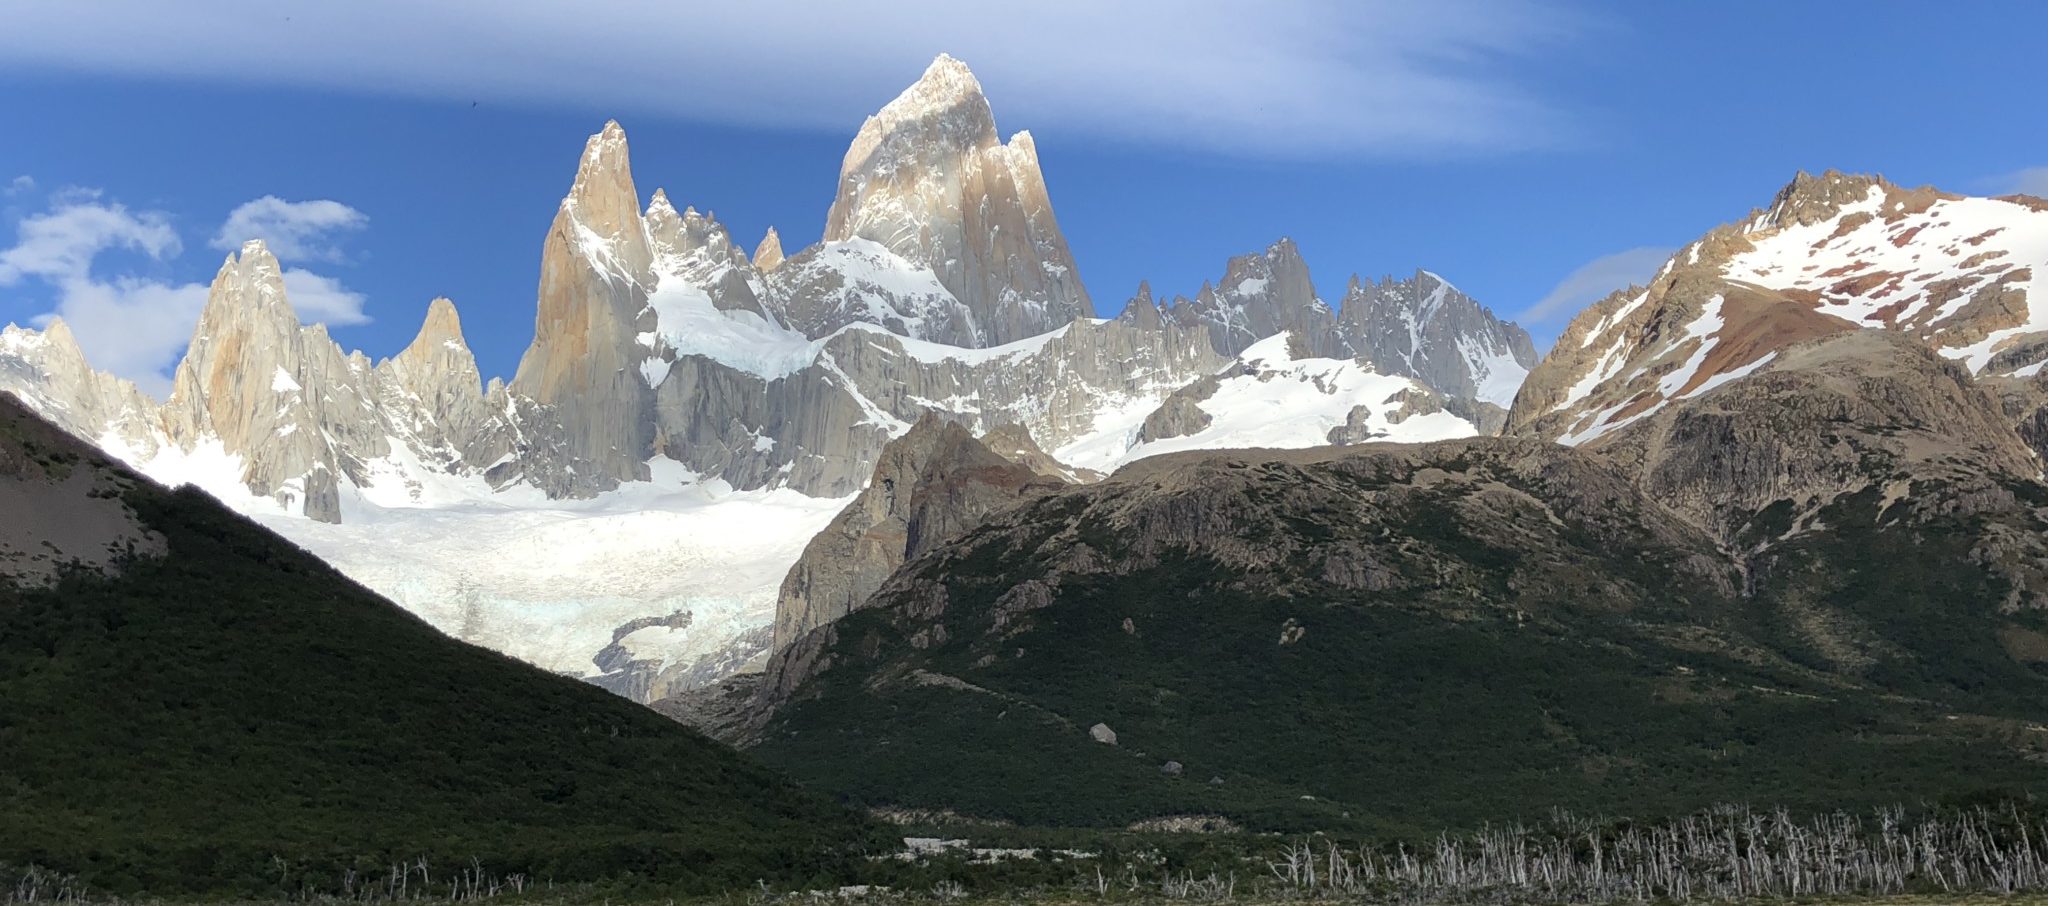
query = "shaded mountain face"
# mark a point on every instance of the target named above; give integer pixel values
(1828, 569)
(1424, 328)
(285, 713)
(1832, 253)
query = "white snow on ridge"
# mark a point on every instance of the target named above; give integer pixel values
(689, 323)
(1955, 247)
(1270, 400)
(1497, 376)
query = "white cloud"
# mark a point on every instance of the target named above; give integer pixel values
(132, 327)
(322, 300)
(18, 185)
(294, 230)
(1596, 279)
(1309, 77)
(61, 243)
(2031, 181)
(135, 326)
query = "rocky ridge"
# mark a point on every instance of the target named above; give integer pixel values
(1832, 253)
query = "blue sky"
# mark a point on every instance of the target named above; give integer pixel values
(1536, 154)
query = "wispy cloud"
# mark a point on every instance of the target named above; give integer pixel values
(294, 230)
(2031, 181)
(1595, 279)
(1305, 78)
(19, 185)
(133, 325)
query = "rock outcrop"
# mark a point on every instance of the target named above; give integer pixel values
(929, 486)
(1825, 419)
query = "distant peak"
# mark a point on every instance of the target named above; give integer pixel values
(768, 255)
(1282, 246)
(255, 254)
(660, 203)
(947, 69)
(442, 322)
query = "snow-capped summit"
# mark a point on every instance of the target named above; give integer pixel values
(1421, 328)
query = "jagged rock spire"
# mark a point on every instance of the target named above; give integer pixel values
(768, 255)
(596, 271)
(1263, 294)
(928, 179)
(1141, 311)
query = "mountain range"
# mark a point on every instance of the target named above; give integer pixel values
(899, 515)
(625, 507)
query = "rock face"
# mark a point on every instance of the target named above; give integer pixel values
(1832, 253)
(584, 364)
(1823, 420)
(1262, 295)
(49, 374)
(434, 387)
(1421, 328)
(930, 485)
(928, 179)
(768, 255)
(1424, 328)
